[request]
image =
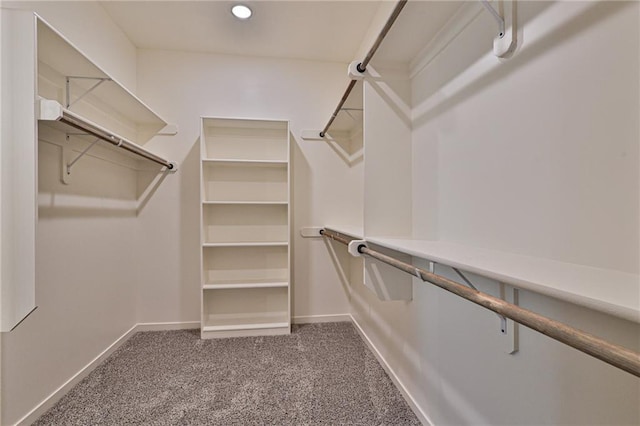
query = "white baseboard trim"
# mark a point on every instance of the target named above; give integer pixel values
(312, 319)
(56, 395)
(166, 326)
(422, 416)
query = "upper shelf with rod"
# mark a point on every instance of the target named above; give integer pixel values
(84, 91)
(413, 33)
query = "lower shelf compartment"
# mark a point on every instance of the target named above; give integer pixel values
(245, 311)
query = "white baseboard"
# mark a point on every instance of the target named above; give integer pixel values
(56, 395)
(424, 419)
(166, 326)
(311, 319)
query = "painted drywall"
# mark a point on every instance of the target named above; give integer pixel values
(91, 29)
(85, 240)
(537, 155)
(185, 86)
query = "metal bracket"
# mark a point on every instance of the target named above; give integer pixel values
(512, 331)
(503, 319)
(505, 42)
(67, 165)
(68, 102)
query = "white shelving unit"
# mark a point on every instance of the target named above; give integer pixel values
(245, 227)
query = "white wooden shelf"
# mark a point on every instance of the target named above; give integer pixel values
(246, 284)
(246, 202)
(248, 244)
(110, 104)
(613, 292)
(250, 325)
(237, 161)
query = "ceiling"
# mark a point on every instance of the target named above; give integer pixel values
(307, 29)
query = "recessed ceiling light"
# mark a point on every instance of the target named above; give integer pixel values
(241, 11)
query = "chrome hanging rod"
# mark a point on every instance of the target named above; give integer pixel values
(362, 66)
(618, 356)
(74, 121)
(51, 110)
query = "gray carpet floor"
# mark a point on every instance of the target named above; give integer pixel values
(321, 374)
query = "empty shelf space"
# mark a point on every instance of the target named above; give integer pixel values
(231, 309)
(252, 264)
(246, 139)
(245, 223)
(246, 182)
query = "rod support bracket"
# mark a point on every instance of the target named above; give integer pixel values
(353, 71)
(354, 247)
(173, 167)
(505, 42)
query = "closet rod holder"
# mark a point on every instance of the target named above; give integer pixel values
(362, 66)
(52, 111)
(617, 356)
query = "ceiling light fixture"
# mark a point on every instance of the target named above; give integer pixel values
(241, 11)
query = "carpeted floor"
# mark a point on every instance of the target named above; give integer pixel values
(321, 374)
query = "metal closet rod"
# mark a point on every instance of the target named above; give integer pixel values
(610, 353)
(362, 66)
(76, 122)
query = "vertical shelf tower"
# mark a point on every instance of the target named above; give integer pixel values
(245, 227)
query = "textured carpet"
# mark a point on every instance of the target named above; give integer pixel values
(321, 374)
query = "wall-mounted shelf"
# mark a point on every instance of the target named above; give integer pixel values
(613, 292)
(245, 227)
(44, 65)
(110, 105)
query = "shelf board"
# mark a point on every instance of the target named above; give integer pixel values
(613, 292)
(246, 284)
(247, 202)
(62, 56)
(255, 326)
(247, 244)
(240, 161)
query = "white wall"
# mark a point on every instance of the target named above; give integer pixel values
(185, 86)
(85, 257)
(535, 155)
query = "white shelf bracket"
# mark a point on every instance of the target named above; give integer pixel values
(66, 166)
(99, 81)
(503, 320)
(505, 42)
(311, 232)
(511, 328)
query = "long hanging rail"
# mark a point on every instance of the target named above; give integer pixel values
(362, 66)
(615, 355)
(52, 111)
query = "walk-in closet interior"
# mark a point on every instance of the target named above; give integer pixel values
(454, 184)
